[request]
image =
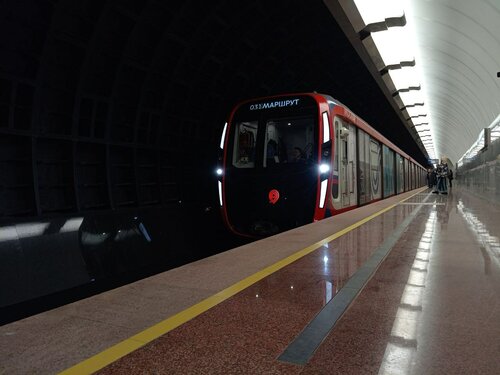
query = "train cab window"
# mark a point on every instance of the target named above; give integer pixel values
(244, 144)
(288, 140)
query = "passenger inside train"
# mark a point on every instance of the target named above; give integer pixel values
(298, 155)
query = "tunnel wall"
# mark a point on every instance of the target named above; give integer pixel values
(113, 104)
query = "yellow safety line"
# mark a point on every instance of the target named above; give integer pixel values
(127, 346)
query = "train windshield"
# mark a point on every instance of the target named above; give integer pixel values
(288, 140)
(274, 142)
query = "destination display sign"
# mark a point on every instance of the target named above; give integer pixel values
(275, 104)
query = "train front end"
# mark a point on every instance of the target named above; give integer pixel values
(270, 181)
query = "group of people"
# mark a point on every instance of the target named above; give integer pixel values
(437, 178)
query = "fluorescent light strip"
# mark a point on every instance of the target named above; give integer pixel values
(220, 192)
(392, 45)
(223, 136)
(405, 77)
(322, 193)
(411, 97)
(377, 11)
(326, 128)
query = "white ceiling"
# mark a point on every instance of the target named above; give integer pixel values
(459, 44)
(457, 53)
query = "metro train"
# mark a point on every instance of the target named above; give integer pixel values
(293, 159)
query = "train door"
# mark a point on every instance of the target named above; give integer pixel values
(347, 157)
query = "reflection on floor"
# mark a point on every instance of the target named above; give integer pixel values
(431, 307)
(44, 261)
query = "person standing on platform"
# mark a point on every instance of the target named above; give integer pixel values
(429, 178)
(442, 174)
(434, 182)
(450, 177)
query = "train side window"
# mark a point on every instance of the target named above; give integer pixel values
(335, 185)
(375, 168)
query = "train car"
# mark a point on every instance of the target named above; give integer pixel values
(293, 159)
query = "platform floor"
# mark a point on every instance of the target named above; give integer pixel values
(409, 285)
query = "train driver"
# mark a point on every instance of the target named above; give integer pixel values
(297, 155)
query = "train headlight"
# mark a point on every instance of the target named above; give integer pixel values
(219, 171)
(324, 168)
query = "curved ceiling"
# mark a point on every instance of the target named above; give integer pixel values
(456, 46)
(459, 43)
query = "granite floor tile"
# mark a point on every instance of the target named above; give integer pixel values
(224, 339)
(432, 307)
(66, 340)
(351, 347)
(433, 314)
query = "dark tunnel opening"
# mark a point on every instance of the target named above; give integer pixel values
(112, 110)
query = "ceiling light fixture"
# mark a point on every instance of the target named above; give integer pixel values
(390, 41)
